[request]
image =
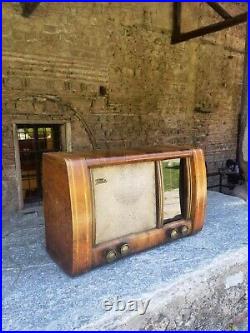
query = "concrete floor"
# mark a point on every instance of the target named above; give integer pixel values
(37, 295)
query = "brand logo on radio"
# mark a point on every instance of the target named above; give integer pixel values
(100, 181)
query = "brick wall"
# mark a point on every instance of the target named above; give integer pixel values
(110, 70)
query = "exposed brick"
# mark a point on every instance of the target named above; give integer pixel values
(55, 62)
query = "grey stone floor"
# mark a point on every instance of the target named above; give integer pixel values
(37, 295)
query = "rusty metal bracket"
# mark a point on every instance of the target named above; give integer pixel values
(229, 21)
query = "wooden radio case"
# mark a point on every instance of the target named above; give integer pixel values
(103, 205)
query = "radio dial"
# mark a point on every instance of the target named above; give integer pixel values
(124, 249)
(174, 234)
(111, 255)
(184, 230)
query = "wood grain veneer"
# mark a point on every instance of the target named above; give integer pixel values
(69, 206)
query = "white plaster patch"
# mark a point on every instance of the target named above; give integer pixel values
(234, 279)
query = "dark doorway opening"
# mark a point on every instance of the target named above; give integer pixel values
(34, 140)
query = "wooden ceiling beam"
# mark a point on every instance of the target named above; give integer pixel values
(219, 10)
(28, 8)
(178, 36)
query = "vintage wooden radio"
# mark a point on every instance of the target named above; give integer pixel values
(101, 206)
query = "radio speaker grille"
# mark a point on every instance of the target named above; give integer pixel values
(124, 200)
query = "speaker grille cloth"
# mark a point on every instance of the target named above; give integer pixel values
(124, 200)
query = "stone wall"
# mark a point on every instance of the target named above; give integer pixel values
(243, 142)
(110, 70)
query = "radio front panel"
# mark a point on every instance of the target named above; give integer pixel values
(102, 207)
